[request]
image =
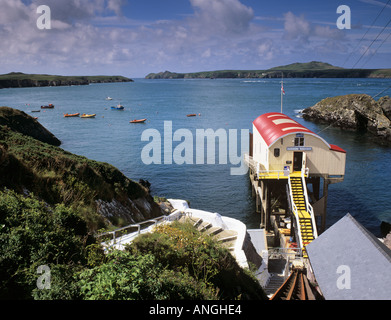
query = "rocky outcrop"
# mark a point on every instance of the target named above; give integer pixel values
(21, 122)
(385, 104)
(99, 191)
(358, 112)
(129, 211)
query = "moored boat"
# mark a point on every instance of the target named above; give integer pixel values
(118, 107)
(138, 121)
(49, 106)
(66, 115)
(109, 98)
(191, 115)
(88, 115)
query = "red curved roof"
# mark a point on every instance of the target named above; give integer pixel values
(274, 125)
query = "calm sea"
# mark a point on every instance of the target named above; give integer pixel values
(222, 104)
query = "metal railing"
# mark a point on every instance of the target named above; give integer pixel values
(278, 173)
(260, 169)
(138, 226)
(308, 205)
(295, 213)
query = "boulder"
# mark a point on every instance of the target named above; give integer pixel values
(358, 112)
(385, 104)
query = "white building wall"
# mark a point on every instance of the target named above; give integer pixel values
(320, 159)
(260, 149)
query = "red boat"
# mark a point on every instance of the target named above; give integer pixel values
(138, 121)
(50, 106)
(191, 115)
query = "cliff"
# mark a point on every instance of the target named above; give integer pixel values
(19, 80)
(99, 191)
(358, 112)
(313, 69)
(19, 121)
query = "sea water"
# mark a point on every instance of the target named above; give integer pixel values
(228, 104)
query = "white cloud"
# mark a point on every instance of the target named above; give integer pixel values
(266, 49)
(222, 16)
(296, 27)
(299, 28)
(92, 36)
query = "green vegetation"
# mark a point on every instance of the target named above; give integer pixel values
(49, 217)
(33, 234)
(58, 176)
(314, 69)
(48, 77)
(19, 79)
(174, 262)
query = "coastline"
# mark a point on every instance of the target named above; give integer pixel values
(22, 80)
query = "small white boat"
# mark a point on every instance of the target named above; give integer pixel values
(108, 98)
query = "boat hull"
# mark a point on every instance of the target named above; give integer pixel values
(138, 121)
(67, 115)
(88, 115)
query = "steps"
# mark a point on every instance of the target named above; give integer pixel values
(303, 217)
(275, 282)
(226, 237)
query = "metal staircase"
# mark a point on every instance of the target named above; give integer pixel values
(303, 212)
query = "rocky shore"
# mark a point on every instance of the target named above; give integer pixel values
(32, 162)
(358, 112)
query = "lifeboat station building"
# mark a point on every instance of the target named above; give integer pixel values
(291, 165)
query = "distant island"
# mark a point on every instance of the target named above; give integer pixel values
(314, 69)
(19, 80)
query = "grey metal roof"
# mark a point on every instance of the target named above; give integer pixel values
(350, 263)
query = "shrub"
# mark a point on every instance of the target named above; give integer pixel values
(132, 277)
(181, 248)
(33, 234)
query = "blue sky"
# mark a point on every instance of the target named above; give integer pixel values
(134, 37)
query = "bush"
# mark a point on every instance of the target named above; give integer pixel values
(33, 234)
(181, 248)
(132, 277)
(174, 262)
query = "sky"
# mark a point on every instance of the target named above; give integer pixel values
(135, 37)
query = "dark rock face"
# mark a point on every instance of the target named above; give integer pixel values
(356, 112)
(21, 122)
(385, 104)
(129, 211)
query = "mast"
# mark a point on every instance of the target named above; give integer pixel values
(282, 88)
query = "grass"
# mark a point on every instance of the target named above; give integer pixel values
(58, 176)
